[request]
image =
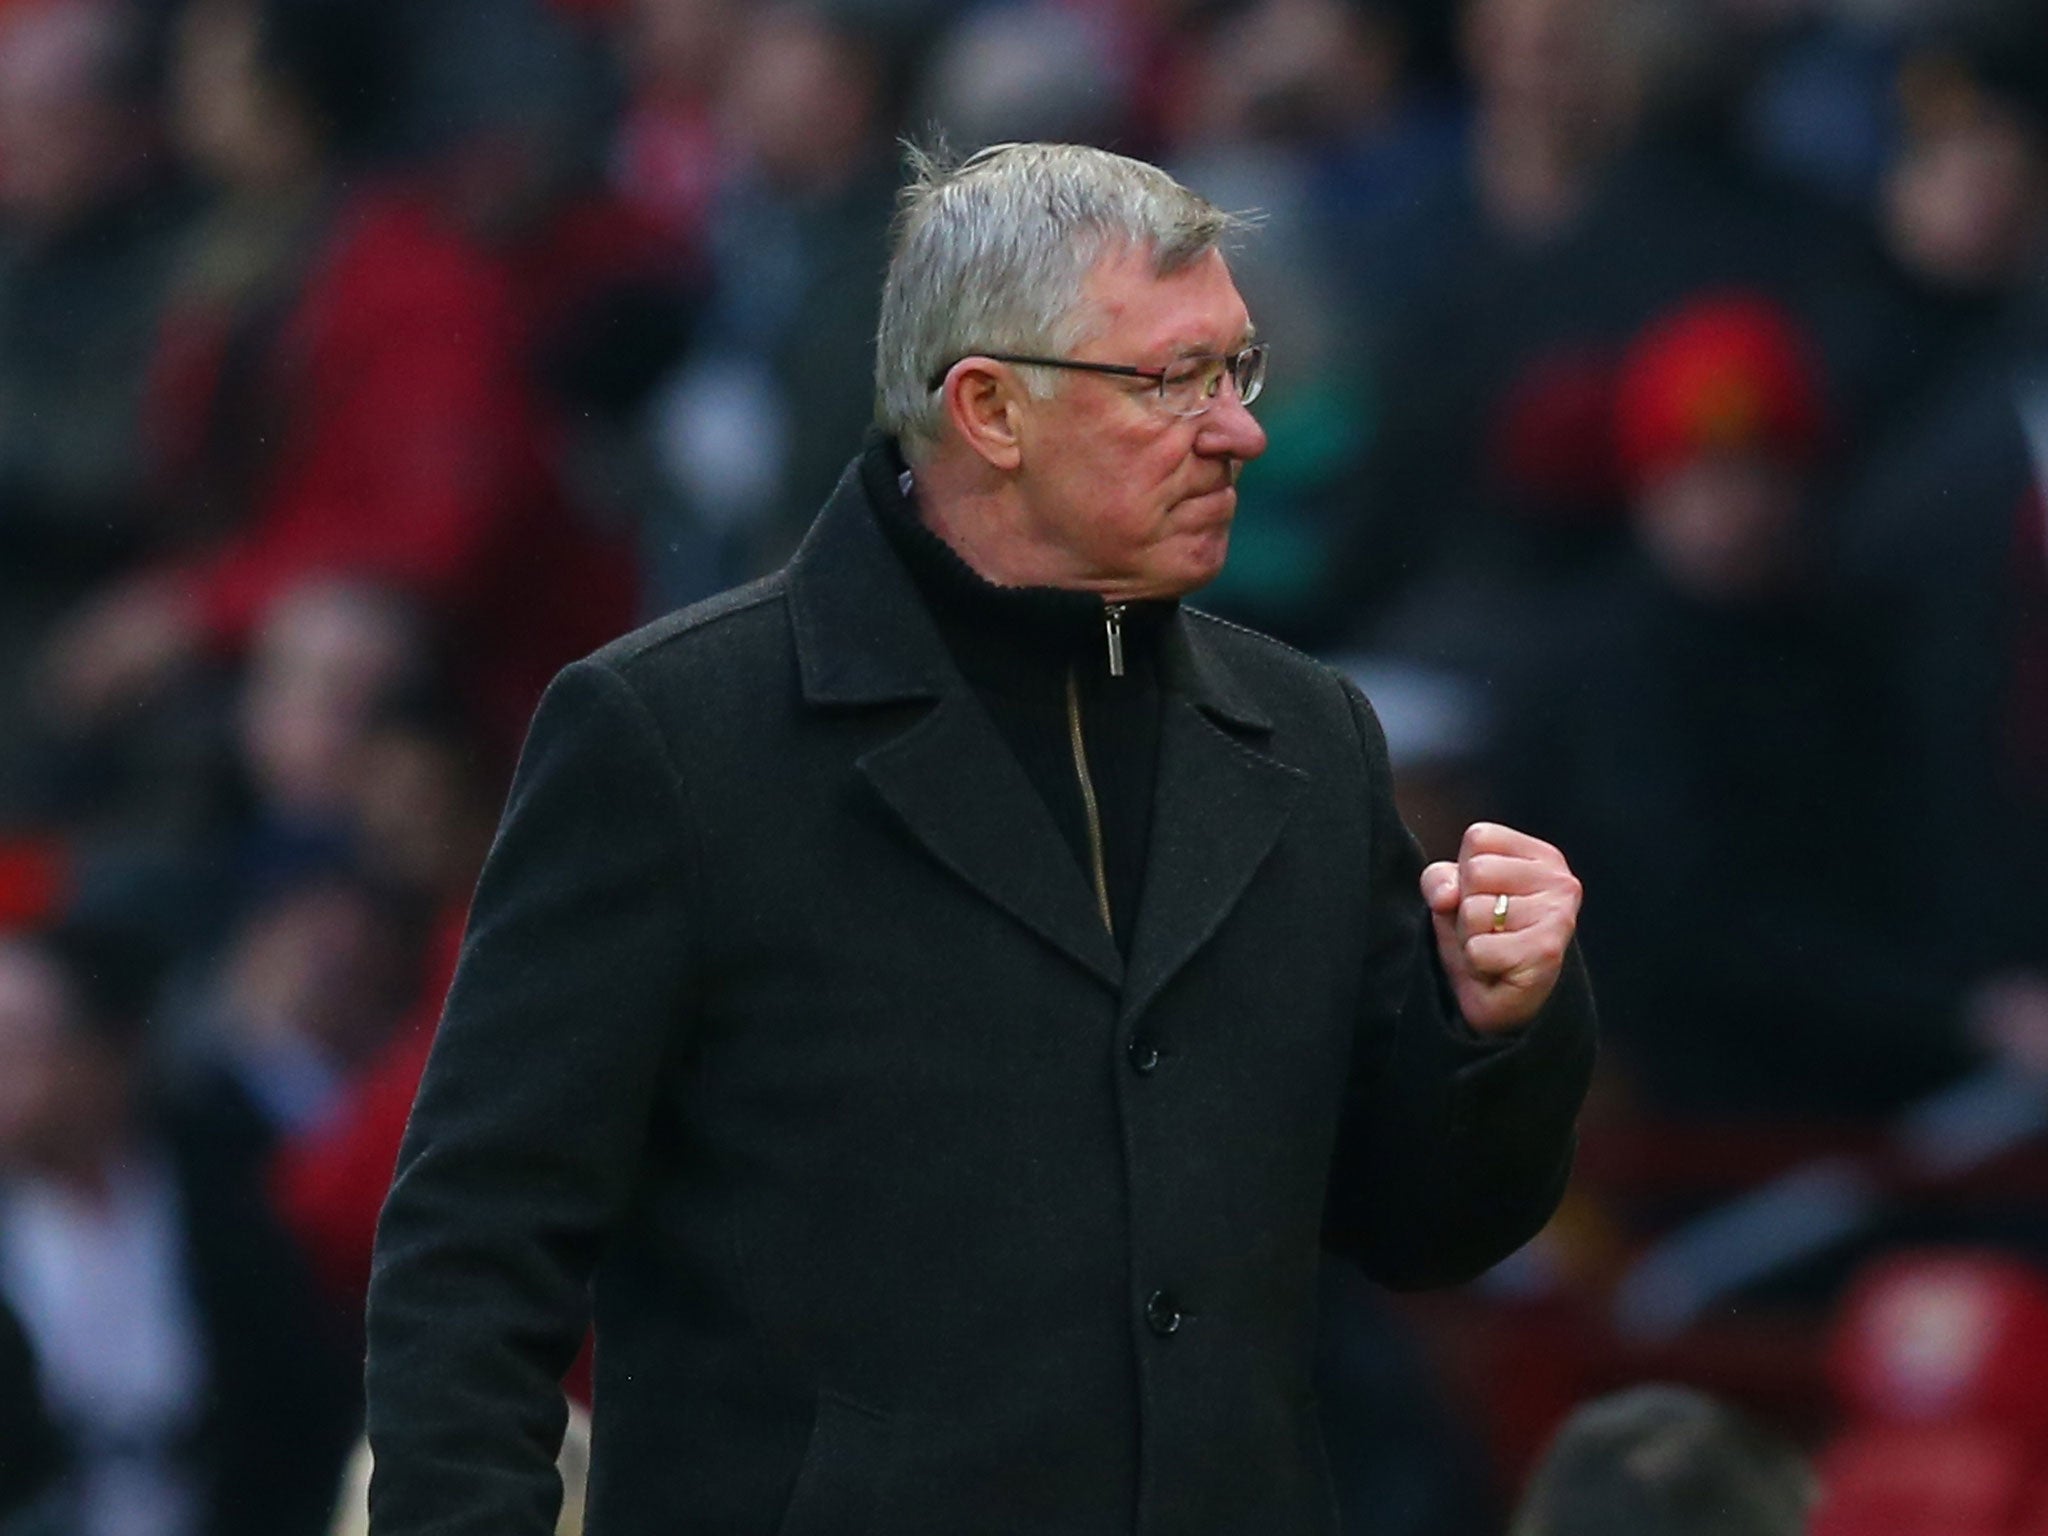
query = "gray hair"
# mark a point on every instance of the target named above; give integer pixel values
(991, 254)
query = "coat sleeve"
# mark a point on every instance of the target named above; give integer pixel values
(532, 1115)
(1454, 1146)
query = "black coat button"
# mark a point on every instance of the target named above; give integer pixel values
(1143, 1056)
(1161, 1315)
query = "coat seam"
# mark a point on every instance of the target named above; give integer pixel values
(687, 623)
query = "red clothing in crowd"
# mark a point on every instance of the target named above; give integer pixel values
(395, 434)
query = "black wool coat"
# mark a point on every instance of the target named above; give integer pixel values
(788, 1038)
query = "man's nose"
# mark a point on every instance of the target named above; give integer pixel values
(1229, 429)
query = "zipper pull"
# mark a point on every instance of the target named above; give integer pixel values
(1113, 626)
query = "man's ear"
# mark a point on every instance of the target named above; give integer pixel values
(983, 400)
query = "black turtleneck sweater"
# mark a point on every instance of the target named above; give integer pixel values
(1017, 647)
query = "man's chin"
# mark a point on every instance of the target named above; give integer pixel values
(1201, 562)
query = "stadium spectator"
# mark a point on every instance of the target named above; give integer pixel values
(306, 992)
(775, 390)
(183, 1360)
(1944, 554)
(1966, 195)
(516, 100)
(1708, 729)
(89, 230)
(668, 156)
(1962, 210)
(330, 657)
(1516, 283)
(340, 391)
(1010, 74)
(1666, 1461)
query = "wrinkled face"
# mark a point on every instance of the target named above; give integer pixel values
(1137, 500)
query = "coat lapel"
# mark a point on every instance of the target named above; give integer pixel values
(1217, 811)
(956, 785)
(863, 638)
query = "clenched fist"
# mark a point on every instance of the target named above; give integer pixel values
(1505, 914)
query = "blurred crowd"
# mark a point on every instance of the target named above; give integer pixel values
(1659, 421)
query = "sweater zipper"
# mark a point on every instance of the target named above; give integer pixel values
(1113, 630)
(1088, 801)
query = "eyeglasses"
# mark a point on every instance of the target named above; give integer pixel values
(1188, 386)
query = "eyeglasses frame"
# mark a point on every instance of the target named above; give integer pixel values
(1156, 376)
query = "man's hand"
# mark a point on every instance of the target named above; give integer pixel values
(1505, 914)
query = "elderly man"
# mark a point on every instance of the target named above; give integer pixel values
(932, 1005)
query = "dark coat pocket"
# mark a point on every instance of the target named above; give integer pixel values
(838, 1486)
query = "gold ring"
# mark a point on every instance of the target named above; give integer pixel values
(1500, 913)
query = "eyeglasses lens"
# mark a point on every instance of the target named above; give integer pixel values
(1191, 387)
(1248, 371)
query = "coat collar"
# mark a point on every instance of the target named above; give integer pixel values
(863, 635)
(863, 638)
